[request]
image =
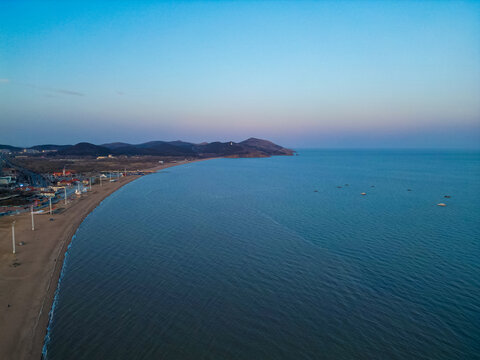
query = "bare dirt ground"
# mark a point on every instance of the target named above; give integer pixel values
(91, 164)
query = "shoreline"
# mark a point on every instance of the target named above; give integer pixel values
(29, 278)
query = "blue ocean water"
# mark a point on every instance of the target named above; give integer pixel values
(271, 259)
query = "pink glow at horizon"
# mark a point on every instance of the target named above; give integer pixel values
(315, 74)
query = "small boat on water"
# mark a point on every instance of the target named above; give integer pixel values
(363, 193)
(441, 204)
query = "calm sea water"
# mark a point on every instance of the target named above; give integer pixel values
(242, 259)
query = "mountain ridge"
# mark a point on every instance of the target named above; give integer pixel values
(252, 147)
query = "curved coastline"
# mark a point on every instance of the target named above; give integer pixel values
(63, 257)
(30, 289)
(32, 293)
(55, 300)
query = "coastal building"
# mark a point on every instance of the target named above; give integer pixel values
(30, 151)
(56, 188)
(67, 182)
(7, 180)
(48, 193)
(64, 173)
(7, 171)
(26, 188)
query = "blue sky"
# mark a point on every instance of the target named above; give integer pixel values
(304, 74)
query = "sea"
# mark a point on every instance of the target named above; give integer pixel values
(280, 258)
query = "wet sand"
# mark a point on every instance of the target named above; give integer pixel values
(28, 279)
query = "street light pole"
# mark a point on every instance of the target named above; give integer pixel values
(33, 223)
(13, 235)
(65, 188)
(50, 203)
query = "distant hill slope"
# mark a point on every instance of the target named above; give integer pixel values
(249, 148)
(266, 146)
(155, 148)
(50, 147)
(115, 145)
(182, 144)
(85, 149)
(10, 148)
(222, 149)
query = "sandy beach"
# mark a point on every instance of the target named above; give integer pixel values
(28, 279)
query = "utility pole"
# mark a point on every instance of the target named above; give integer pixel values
(65, 188)
(50, 203)
(13, 235)
(90, 183)
(33, 223)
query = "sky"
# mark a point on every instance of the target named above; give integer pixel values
(339, 74)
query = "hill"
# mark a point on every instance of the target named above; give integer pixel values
(85, 149)
(266, 147)
(49, 147)
(115, 145)
(252, 147)
(10, 148)
(160, 148)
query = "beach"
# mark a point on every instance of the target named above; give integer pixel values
(28, 279)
